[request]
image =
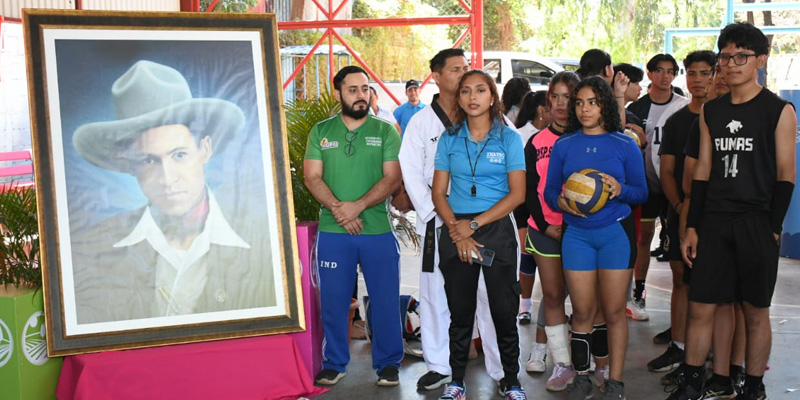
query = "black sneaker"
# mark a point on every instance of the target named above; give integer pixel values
(663, 337)
(524, 318)
(718, 390)
(580, 388)
(663, 257)
(388, 376)
(737, 376)
(329, 377)
(432, 380)
(757, 394)
(672, 378)
(503, 386)
(671, 359)
(614, 390)
(685, 392)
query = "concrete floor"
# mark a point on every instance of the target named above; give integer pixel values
(782, 380)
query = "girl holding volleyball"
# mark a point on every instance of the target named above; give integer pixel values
(598, 249)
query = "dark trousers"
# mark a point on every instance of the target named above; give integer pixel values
(502, 287)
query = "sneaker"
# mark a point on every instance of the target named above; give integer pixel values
(685, 392)
(562, 376)
(737, 376)
(454, 391)
(432, 380)
(515, 393)
(538, 359)
(329, 377)
(636, 310)
(757, 394)
(663, 257)
(580, 388)
(600, 376)
(671, 359)
(716, 390)
(657, 252)
(672, 378)
(663, 337)
(613, 390)
(524, 318)
(388, 376)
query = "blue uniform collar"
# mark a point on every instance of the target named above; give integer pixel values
(494, 132)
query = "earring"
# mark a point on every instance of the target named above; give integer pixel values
(491, 104)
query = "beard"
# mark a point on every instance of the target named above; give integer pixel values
(351, 112)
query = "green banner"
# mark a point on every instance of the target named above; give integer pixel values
(25, 370)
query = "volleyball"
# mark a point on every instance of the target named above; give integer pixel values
(631, 134)
(585, 191)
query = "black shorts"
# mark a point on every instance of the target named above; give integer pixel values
(655, 206)
(538, 243)
(737, 260)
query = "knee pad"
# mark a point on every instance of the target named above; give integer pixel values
(581, 344)
(527, 265)
(600, 341)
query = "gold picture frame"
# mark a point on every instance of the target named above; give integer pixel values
(162, 175)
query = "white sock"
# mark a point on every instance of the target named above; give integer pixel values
(525, 305)
(558, 342)
(679, 344)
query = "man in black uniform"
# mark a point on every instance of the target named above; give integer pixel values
(741, 190)
(699, 67)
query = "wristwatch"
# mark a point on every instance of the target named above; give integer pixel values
(473, 225)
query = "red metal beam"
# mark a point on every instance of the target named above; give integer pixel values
(456, 44)
(324, 11)
(212, 6)
(304, 60)
(477, 34)
(466, 7)
(374, 22)
(366, 67)
(190, 5)
(341, 6)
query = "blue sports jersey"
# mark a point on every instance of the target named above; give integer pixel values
(612, 153)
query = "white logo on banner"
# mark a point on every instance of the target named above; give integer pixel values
(33, 342)
(6, 344)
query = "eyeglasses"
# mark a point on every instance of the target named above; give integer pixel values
(349, 137)
(738, 58)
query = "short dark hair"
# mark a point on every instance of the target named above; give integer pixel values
(609, 113)
(593, 62)
(350, 69)
(706, 56)
(440, 59)
(634, 73)
(653, 63)
(513, 92)
(530, 103)
(744, 35)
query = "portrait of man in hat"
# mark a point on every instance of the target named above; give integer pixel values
(187, 250)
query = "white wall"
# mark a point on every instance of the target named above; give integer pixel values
(15, 128)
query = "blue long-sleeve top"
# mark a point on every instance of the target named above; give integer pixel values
(612, 153)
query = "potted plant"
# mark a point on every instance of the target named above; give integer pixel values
(25, 369)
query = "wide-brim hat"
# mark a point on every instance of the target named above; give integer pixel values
(150, 95)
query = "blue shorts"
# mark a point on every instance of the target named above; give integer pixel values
(610, 247)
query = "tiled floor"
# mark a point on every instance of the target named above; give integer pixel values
(782, 380)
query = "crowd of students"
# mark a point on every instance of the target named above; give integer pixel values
(485, 174)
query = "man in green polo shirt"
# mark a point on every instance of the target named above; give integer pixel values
(351, 168)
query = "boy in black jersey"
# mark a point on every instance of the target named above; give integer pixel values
(741, 190)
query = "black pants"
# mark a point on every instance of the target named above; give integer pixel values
(502, 287)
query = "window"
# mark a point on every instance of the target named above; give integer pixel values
(492, 67)
(532, 71)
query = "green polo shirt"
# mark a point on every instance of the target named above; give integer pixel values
(352, 165)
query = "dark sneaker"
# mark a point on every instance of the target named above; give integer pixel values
(580, 388)
(454, 391)
(614, 390)
(662, 257)
(663, 337)
(329, 377)
(524, 318)
(737, 376)
(657, 252)
(757, 394)
(672, 378)
(685, 392)
(515, 393)
(389, 376)
(432, 380)
(717, 390)
(671, 359)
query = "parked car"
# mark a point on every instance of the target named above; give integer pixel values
(569, 64)
(504, 65)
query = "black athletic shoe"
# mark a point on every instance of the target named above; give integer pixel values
(663, 337)
(717, 390)
(657, 252)
(432, 380)
(671, 359)
(685, 392)
(737, 376)
(672, 378)
(389, 376)
(524, 318)
(329, 377)
(662, 257)
(757, 394)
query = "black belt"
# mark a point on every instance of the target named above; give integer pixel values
(429, 246)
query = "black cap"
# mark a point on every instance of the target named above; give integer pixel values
(412, 83)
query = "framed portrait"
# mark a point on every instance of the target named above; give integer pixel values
(162, 176)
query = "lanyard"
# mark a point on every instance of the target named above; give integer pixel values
(475, 167)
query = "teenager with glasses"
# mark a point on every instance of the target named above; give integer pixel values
(481, 160)
(597, 250)
(741, 189)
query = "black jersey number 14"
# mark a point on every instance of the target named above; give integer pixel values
(731, 168)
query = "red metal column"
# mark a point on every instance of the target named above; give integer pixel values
(477, 34)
